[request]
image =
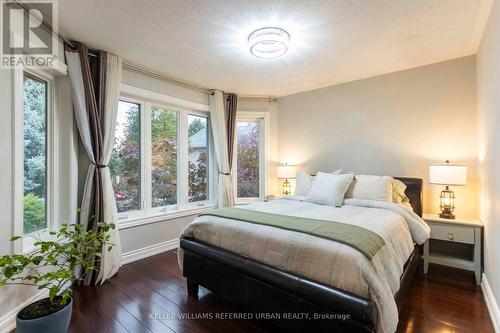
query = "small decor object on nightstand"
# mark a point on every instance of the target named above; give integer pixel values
(449, 175)
(286, 172)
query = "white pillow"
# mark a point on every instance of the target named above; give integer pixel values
(371, 188)
(329, 189)
(304, 181)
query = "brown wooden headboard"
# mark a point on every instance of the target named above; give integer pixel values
(413, 192)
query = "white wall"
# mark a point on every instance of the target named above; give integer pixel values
(488, 105)
(394, 124)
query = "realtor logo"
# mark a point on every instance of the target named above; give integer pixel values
(27, 39)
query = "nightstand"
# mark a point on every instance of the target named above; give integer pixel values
(465, 231)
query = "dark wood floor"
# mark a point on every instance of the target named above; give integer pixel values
(446, 300)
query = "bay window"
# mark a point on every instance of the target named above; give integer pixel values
(160, 161)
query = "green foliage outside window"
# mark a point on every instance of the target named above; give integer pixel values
(163, 157)
(34, 213)
(35, 131)
(248, 159)
(198, 178)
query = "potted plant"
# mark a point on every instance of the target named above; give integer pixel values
(55, 265)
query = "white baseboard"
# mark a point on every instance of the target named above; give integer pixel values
(149, 251)
(8, 321)
(491, 303)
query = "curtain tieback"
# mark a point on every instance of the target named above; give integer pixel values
(99, 166)
(225, 173)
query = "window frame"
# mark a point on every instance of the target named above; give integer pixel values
(48, 178)
(263, 118)
(26, 243)
(148, 214)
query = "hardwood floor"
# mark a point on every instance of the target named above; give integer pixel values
(145, 295)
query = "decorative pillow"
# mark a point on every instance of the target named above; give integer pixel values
(304, 181)
(398, 191)
(371, 188)
(329, 189)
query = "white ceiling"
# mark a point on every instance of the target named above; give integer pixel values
(332, 41)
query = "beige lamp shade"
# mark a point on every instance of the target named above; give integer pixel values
(448, 174)
(287, 171)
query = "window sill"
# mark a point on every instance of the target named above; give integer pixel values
(136, 221)
(42, 235)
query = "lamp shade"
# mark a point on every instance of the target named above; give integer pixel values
(286, 171)
(448, 174)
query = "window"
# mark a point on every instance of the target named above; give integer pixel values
(249, 157)
(35, 103)
(125, 163)
(198, 158)
(45, 157)
(163, 157)
(160, 161)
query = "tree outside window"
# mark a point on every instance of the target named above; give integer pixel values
(35, 156)
(248, 159)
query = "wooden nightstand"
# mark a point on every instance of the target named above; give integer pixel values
(466, 231)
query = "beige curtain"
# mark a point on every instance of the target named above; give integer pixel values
(218, 120)
(94, 90)
(111, 259)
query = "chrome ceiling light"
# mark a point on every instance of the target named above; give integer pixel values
(269, 43)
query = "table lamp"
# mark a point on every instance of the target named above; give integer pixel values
(286, 172)
(449, 175)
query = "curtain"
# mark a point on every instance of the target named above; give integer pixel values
(94, 89)
(218, 120)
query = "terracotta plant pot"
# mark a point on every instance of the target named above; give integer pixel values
(56, 321)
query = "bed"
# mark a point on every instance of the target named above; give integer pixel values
(296, 301)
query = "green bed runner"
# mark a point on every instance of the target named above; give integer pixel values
(361, 239)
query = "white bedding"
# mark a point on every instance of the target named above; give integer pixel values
(323, 260)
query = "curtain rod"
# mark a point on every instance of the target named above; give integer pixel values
(259, 98)
(137, 68)
(154, 74)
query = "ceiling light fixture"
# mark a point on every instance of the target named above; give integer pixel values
(269, 43)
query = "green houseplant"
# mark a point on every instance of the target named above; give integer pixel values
(55, 265)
